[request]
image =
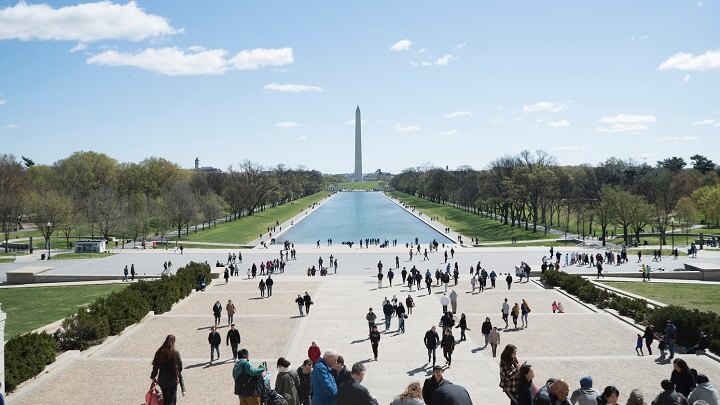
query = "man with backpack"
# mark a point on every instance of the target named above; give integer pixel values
(248, 379)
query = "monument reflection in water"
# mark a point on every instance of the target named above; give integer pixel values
(355, 215)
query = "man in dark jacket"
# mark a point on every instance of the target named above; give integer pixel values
(451, 394)
(214, 339)
(669, 396)
(375, 341)
(387, 311)
(432, 383)
(269, 283)
(341, 373)
(305, 388)
(352, 392)
(432, 340)
(554, 392)
(233, 340)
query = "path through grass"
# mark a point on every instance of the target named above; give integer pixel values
(29, 308)
(705, 297)
(247, 229)
(469, 224)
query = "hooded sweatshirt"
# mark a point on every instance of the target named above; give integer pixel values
(704, 392)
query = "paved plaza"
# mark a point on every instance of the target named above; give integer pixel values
(571, 345)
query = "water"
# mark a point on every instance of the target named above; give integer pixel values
(351, 216)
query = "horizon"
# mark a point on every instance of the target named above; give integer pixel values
(446, 86)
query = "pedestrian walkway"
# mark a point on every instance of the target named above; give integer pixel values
(576, 343)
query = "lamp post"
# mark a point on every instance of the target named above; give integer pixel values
(49, 226)
(672, 221)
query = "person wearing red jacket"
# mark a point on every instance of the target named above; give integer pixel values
(314, 352)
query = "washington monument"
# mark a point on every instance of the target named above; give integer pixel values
(358, 147)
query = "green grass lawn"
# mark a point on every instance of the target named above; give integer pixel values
(524, 244)
(469, 224)
(73, 256)
(360, 185)
(249, 228)
(705, 297)
(7, 260)
(33, 307)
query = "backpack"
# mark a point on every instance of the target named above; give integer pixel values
(272, 397)
(248, 386)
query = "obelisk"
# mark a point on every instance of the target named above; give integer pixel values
(358, 147)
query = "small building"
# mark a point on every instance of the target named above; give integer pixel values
(90, 246)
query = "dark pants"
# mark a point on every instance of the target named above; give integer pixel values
(375, 349)
(494, 348)
(448, 356)
(269, 288)
(648, 343)
(370, 326)
(234, 348)
(431, 352)
(217, 319)
(307, 309)
(169, 394)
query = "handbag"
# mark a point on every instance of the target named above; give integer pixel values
(154, 395)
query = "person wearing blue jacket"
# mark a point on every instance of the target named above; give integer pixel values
(324, 388)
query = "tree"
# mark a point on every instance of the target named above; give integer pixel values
(640, 215)
(180, 206)
(685, 210)
(604, 210)
(48, 209)
(674, 164)
(108, 210)
(702, 164)
(14, 185)
(707, 200)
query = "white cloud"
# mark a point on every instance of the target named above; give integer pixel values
(422, 51)
(256, 58)
(11, 126)
(167, 61)
(3, 101)
(287, 124)
(446, 133)
(544, 106)
(639, 37)
(686, 78)
(402, 45)
(460, 46)
(352, 122)
(710, 60)
(444, 60)
(456, 114)
(292, 88)
(566, 148)
(705, 122)
(677, 139)
(626, 123)
(559, 124)
(407, 128)
(301, 138)
(81, 46)
(85, 22)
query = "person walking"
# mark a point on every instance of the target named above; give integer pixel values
(300, 303)
(287, 382)
(269, 284)
(486, 329)
(314, 352)
(515, 312)
(242, 372)
(432, 341)
(453, 301)
(305, 387)
(132, 272)
(524, 311)
(463, 327)
(324, 387)
(374, 341)
(232, 339)
(670, 336)
(379, 278)
(409, 303)
(217, 312)
(214, 340)
(494, 340)
(509, 370)
(261, 286)
(432, 383)
(505, 312)
(649, 336)
(370, 318)
(448, 346)
(226, 275)
(411, 396)
(230, 309)
(509, 280)
(125, 273)
(387, 311)
(167, 370)
(390, 276)
(308, 301)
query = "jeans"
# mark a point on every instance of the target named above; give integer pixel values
(401, 326)
(269, 291)
(494, 348)
(444, 308)
(169, 394)
(671, 347)
(300, 308)
(307, 309)
(216, 349)
(462, 334)
(525, 320)
(234, 348)
(262, 293)
(431, 352)
(487, 338)
(370, 326)
(387, 322)
(448, 356)
(217, 319)
(230, 319)
(375, 349)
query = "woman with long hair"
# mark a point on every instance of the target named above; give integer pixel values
(509, 371)
(167, 370)
(682, 377)
(411, 396)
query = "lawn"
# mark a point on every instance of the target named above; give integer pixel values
(249, 228)
(33, 307)
(7, 260)
(360, 185)
(73, 256)
(705, 297)
(554, 243)
(469, 224)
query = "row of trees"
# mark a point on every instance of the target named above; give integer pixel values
(531, 190)
(91, 192)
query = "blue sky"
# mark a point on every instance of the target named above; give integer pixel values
(448, 83)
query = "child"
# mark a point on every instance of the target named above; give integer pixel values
(662, 346)
(554, 307)
(639, 345)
